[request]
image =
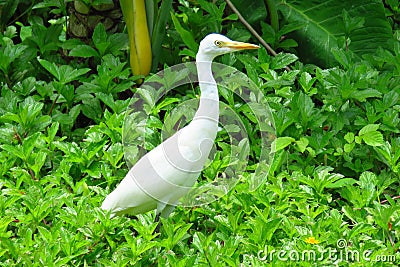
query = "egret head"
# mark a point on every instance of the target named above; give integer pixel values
(214, 45)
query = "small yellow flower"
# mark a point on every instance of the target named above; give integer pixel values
(312, 240)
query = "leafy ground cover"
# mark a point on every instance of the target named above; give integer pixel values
(332, 194)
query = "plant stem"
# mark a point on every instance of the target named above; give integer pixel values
(251, 29)
(394, 198)
(273, 14)
(52, 106)
(8, 81)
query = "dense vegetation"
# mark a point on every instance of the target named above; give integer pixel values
(333, 185)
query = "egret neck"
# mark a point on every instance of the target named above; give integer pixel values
(209, 100)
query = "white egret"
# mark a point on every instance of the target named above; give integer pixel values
(166, 173)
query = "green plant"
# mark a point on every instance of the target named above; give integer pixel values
(334, 179)
(336, 24)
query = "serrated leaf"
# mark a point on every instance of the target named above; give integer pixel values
(16, 151)
(373, 138)
(360, 228)
(345, 58)
(302, 144)
(64, 73)
(362, 95)
(368, 128)
(107, 99)
(358, 139)
(282, 60)
(349, 137)
(348, 147)
(368, 180)
(8, 54)
(306, 81)
(68, 74)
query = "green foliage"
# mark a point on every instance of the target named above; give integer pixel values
(103, 43)
(158, 17)
(357, 26)
(334, 177)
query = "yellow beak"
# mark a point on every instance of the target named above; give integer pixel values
(239, 45)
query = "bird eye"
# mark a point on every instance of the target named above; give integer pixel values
(218, 43)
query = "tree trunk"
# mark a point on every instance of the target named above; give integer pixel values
(83, 19)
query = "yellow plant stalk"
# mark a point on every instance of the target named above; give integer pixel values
(134, 12)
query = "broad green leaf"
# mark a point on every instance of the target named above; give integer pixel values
(52, 131)
(26, 87)
(46, 39)
(281, 142)
(345, 58)
(114, 154)
(50, 67)
(349, 137)
(107, 99)
(16, 151)
(302, 144)
(68, 74)
(374, 138)
(8, 54)
(158, 33)
(11, 117)
(40, 158)
(369, 128)
(7, 11)
(349, 147)
(271, 226)
(368, 180)
(187, 37)
(91, 108)
(252, 11)
(358, 139)
(64, 73)
(390, 99)
(370, 135)
(100, 38)
(117, 41)
(29, 143)
(324, 27)
(62, 118)
(83, 51)
(362, 95)
(361, 228)
(187, 52)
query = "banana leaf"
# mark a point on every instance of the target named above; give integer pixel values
(325, 27)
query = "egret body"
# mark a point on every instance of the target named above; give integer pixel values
(166, 173)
